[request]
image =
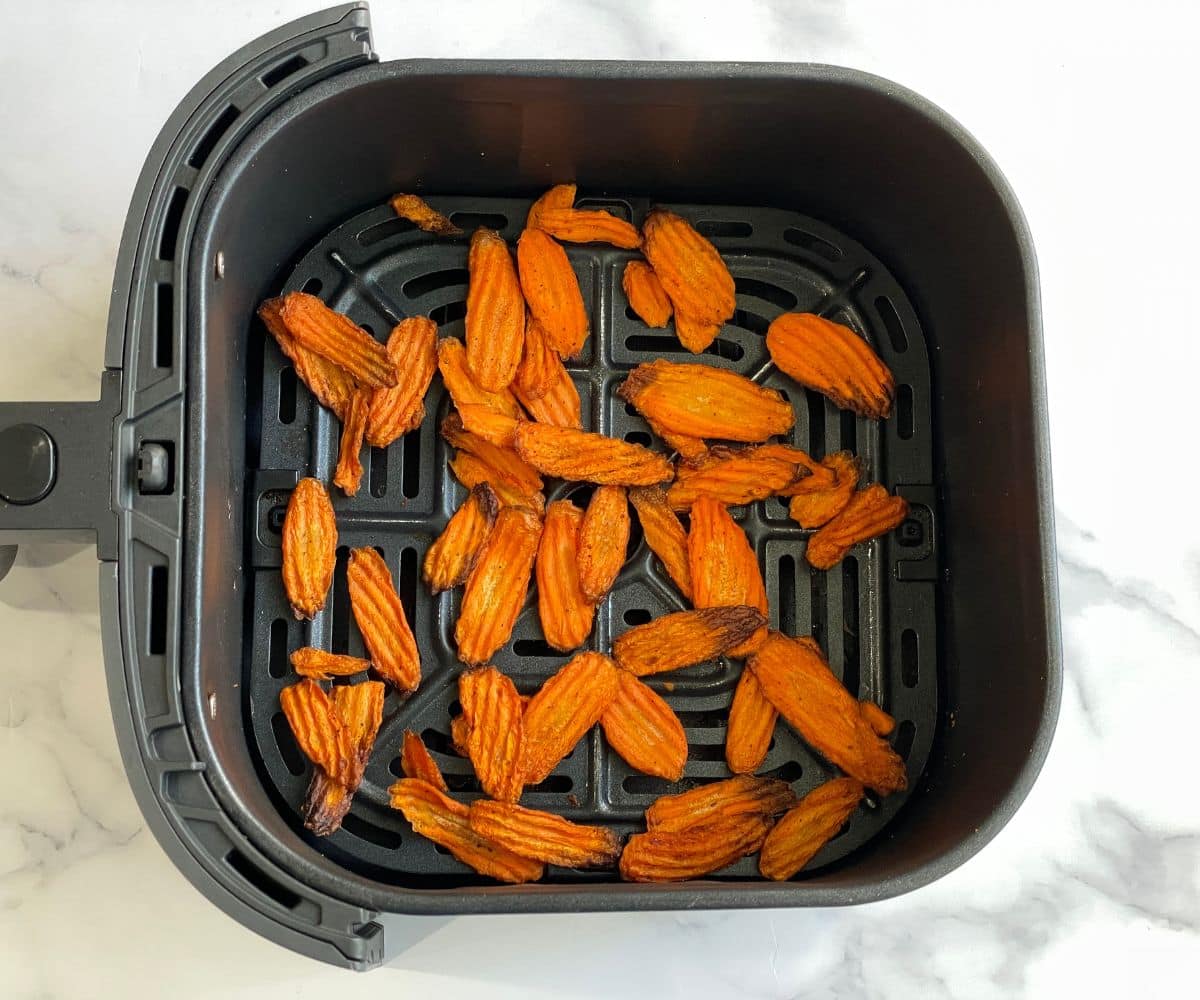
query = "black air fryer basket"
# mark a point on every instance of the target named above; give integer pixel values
(825, 190)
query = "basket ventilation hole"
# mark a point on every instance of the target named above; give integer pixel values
(377, 480)
(816, 423)
(217, 129)
(787, 595)
(164, 333)
(360, 828)
(171, 220)
(904, 411)
(723, 227)
(410, 480)
(637, 616)
(813, 244)
(312, 287)
(339, 641)
(892, 324)
(288, 67)
(850, 652)
(767, 292)
(408, 582)
(904, 738)
(534, 647)
(384, 230)
(669, 344)
(713, 718)
(558, 784)
(908, 658)
(293, 759)
(156, 639)
(639, 437)
(451, 312)
(434, 281)
(261, 881)
(277, 656)
(789, 771)
(470, 221)
(751, 321)
(849, 429)
(287, 394)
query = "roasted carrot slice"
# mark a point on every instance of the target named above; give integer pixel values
(664, 534)
(645, 293)
(684, 638)
(566, 614)
(724, 568)
(564, 709)
(660, 856)
(348, 474)
(330, 383)
(497, 585)
(552, 291)
(495, 313)
(359, 708)
(540, 365)
(492, 710)
(508, 467)
(472, 471)
(603, 538)
(876, 718)
(452, 556)
(463, 389)
(543, 836)
(644, 731)
(798, 682)
(319, 731)
(701, 401)
(412, 348)
(816, 500)
(870, 513)
(733, 476)
(381, 620)
(807, 827)
(690, 448)
(417, 762)
(321, 665)
(309, 547)
(751, 726)
(488, 424)
(582, 456)
(731, 799)
(560, 406)
(554, 213)
(693, 274)
(433, 814)
(313, 325)
(416, 210)
(833, 360)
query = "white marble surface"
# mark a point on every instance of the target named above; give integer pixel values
(1091, 890)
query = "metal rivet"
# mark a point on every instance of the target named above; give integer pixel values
(219, 265)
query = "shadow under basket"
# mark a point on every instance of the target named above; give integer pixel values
(824, 189)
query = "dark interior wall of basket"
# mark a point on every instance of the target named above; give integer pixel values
(341, 148)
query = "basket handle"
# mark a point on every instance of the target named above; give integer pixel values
(56, 472)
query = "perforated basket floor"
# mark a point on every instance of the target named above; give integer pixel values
(874, 615)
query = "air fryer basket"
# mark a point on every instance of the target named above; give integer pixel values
(869, 205)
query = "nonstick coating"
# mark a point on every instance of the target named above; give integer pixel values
(875, 614)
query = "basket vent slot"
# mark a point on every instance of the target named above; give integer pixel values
(171, 220)
(277, 658)
(377, 479)
(164, 325)
(384, 230)
(289, 67)
(156, 640)
(293, 759)
(904, 738)
(813, 244)
(816, 423)
(723, 227)
(787, 595)
(410, 484)
(892, 324)
(637, 616)
(210, 139)
(470, 221)
(850, 651)
(371, 833)
(453, 277)
(261, 881)
(728, 349)
(767, 292)
(287, 394)
(909, 667)
(904, 411)
(339, 641)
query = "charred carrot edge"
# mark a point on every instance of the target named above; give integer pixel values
(795, 840)
(418, 211)
(417, 762)
(348, 474)
(453, 555)
(664, 534)
(684, 638)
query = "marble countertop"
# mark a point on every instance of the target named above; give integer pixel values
(1092, 889)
